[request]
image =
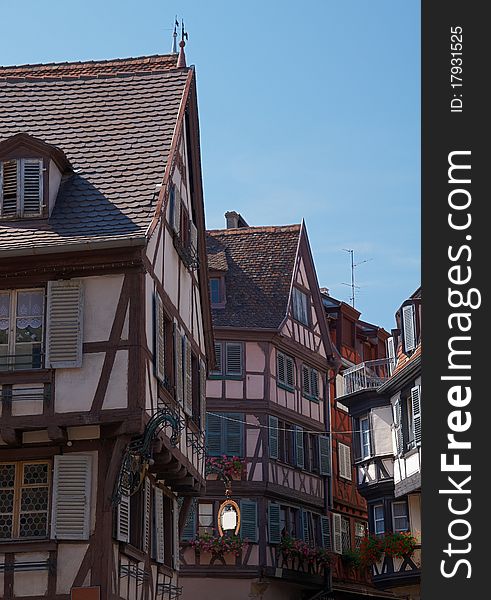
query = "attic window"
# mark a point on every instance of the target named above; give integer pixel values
(21, 187)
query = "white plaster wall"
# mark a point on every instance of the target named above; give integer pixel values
(117, 387)
(255, 358)
(255, 387)
(171, 268)
(70, 557)
(75, 388)
(101, 296)
(31, 583)
(27, 406)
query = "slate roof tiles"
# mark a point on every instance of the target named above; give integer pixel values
(260, 263)
(115, 121)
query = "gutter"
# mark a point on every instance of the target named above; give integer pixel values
(107, 244)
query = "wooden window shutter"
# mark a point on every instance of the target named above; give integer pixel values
(248, 520)
(234, 431)
(71, 497)
(299, 449)
(391, 354)
(158, 520)
(64, 324)
(202, 394)
(9, 188)
(159, 338)
(409, 328)
(306, 380)
(176, 216)
(32, 186)
(147, 510)
(314, 383)
(416, 404)
(123, 515)
(218, 358)
(326, 532)
(337, 537)
(178, 366)
(305, 526)
(214, 435)
(324, 455)
(189, 530)
(344, 460)
(280, 362)
(273, 437)
(188, 377)
(290, 370)
(193, 238)
(233, 359)
(398, 426)
(175, 534)
(274, 525)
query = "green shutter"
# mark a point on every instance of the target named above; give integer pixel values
(273, 437)
(280, 367)
(233, 429)
(290, 369)
(326, 532)
(274, 532)
(248, 520)
(305, 526)
(214, 435)
(189, 531)
(299, 449)
(324, 455)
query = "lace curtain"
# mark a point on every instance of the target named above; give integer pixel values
(29, 310)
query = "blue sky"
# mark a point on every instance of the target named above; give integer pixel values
(308, 110)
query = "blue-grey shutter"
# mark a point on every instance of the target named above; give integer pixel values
(273, 437)
(326, 532)
(290, 370)
(233, 434)
(280, 367)
(305, 526)
(299, 449)
(189, 530)
(248, 520)
(324, 455)
(214, 435)
(274, 532)
(233, 358)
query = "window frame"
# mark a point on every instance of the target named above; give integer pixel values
(376, 520)
(17, 498)
(368, 444)
(405, 516)
(11, 355)
(307, 393)
(20, 187)
(222, 372)
(205, 528)
(220, 303)
(284, 383)
(297, 295)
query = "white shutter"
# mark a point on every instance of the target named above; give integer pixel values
(344, 460)
(193, 238)
(71, 497)
(9, 188)
(32, 186)
(337, 538)
(416, 404)
(147, 504)
(159, 338)
(202, 394)
(64, 324)
(188, 376)
(409, 328)
(159, 525)
(176, 217)
(178, 374)
(397, 410)
(391, 354)
(123, 520)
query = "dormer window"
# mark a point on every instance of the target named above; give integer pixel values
(21, 184)
(217, 291)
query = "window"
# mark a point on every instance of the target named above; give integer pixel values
(344, 461)
(378, 519)
(409, 328)
(285, 366)
(229, 360)
(365, 437)
(300, 303)
(400, 520)
(21, 329)
(205, 518)
(24, 500)
(217, 291)
(21, 188)
(360, 533)
(345, 535)
(224, 434)
(310, 383)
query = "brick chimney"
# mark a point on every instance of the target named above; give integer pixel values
(235, 220)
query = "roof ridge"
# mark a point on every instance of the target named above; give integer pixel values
(258, 229)
(90, 62)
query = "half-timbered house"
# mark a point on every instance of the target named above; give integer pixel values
(385, 403)
(357, 342)
(268, 406)
(105, 326)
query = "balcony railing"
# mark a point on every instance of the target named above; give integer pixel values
(22, 362)
(367, 375)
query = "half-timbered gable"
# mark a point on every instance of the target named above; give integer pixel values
(266, 402)
(105, 326)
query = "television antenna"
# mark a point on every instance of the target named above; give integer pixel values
(352, 285)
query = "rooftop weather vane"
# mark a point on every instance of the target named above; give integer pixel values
(181, 61)
(353, 267)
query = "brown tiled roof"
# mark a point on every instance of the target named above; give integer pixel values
(403, 360)
(158, 62)
(116, 130)
(260, 263)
